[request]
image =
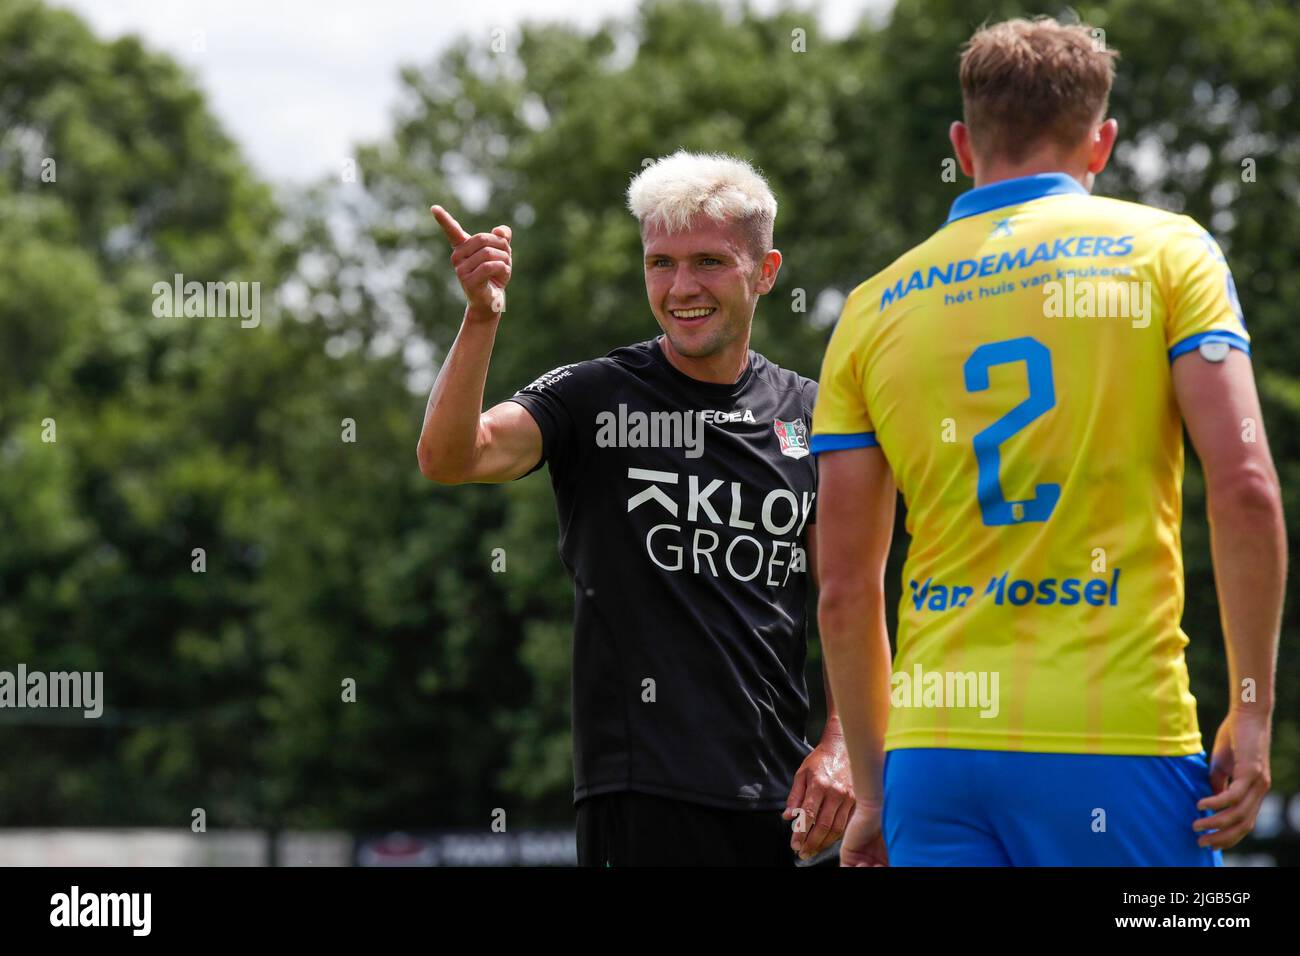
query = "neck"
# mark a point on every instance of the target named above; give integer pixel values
(722, 368)
(996, 172)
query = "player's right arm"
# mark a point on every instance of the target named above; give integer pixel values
(1220, 406)
(459, 441)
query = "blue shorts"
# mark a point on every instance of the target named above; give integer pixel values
(946, 807)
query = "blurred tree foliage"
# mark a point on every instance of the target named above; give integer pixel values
(329, 559)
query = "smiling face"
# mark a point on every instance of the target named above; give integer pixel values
(703, 284)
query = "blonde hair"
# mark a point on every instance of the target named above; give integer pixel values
(674, 189)
(1026, 81)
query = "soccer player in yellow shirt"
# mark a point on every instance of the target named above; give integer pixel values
(1023, 377)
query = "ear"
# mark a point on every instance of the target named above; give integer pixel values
(1103, 141)
(959, 136)
(768, 269)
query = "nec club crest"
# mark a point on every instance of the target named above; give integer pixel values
(793, 437)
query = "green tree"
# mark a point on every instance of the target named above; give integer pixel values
(331, 559)
(852, 134)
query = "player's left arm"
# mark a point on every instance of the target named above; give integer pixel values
(1220, 405)
(821, 800)
(855, 502)
(832, 716)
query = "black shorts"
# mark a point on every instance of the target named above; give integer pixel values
(638, 829)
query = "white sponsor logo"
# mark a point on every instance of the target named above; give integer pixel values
(721, 417)
(547, 379)
(781, 513)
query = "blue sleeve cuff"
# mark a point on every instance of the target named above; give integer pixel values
(1194, 341)
(821, 443)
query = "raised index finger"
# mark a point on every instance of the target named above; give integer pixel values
(450, 226)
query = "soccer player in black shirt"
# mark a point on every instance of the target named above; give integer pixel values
(686, 498)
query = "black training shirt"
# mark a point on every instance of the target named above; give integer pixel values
(690, 572)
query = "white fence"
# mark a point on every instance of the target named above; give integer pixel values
(160, 847)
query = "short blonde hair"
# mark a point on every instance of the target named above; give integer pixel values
(1026, 81)
(674, 189)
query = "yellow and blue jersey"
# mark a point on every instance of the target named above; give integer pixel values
(1015, 371)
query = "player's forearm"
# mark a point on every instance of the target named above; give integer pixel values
(832, 727)
(449, 439)
(856, 646)
(1248, 540)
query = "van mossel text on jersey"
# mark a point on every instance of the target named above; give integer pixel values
(962, 270)
(1098, 592)
(946, 689)
(745, 556)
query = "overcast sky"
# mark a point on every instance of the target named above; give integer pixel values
(297, 82)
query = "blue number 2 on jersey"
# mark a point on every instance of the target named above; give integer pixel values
(994, 506)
